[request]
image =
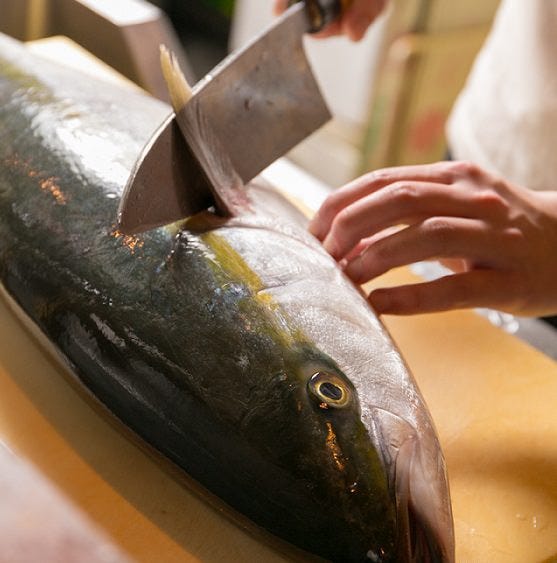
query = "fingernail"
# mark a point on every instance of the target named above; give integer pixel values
(314, 229)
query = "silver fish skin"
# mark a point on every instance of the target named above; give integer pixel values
(234, 347)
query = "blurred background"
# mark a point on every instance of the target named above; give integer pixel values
(390, 94)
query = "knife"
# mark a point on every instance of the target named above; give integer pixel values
(255, 106)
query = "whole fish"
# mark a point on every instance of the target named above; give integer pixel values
(235, 347)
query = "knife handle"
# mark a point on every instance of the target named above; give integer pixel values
(323, 12)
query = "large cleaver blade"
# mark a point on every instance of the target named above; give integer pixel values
(259, 103)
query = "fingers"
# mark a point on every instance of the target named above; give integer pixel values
(359, 17)
(394, 205)
(403, 195)
(440, 237)
(353, 23)
(365, 243)
(479, 288)
(404, 203)
(440, 173)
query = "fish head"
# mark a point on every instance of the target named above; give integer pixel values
(342, 468)
(353, 469)
(373, 486)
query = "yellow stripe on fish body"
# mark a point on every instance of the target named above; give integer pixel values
(226, 260)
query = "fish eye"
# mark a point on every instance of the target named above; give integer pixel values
(329, 390)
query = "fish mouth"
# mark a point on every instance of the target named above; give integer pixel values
(418, 482)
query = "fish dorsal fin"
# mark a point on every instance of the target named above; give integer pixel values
(222, 179)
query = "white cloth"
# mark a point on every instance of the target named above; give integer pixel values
(505, 119)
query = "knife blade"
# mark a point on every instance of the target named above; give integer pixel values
(251, 109)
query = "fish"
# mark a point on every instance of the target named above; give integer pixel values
(234, 347)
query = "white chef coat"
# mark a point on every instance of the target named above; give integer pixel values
(505, 119)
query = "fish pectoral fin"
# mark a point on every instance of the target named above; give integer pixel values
(424, 533)
(417, 477)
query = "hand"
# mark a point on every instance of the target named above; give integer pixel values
(500, 240)
(353, 23)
